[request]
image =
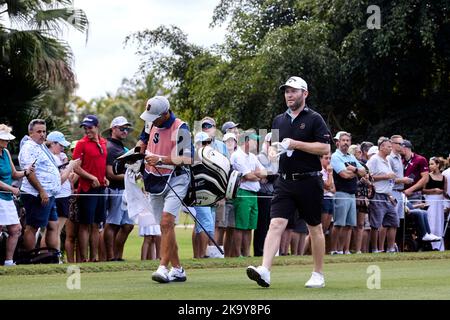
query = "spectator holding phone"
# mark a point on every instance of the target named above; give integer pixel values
(415, 167)
(382, 207)
(40, 187)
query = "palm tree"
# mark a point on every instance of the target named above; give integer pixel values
(33, 57)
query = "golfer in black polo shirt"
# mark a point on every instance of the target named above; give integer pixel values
(304, 137)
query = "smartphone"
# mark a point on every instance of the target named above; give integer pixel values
(34, 163)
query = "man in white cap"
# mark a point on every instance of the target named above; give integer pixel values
(166, 141)
(305, 137)
(118, 225)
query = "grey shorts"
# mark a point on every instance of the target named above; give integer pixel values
(344, 209)
(382, 212)
(400, 206)
(230, 217)
(115, 213)
(168, 201)
(221, 218)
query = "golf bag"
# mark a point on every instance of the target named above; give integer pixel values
(212, 179)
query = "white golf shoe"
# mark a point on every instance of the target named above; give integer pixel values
(161, 275)
(431, 237)
(260, 274)
(177, 275)
(316, 281)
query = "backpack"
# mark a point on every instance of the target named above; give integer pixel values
(39, 256)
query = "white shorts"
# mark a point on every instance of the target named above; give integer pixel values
(154, 230)
(168, 201)
(8, 213)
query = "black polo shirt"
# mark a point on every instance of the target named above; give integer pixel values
(308, 126)
(115, 149)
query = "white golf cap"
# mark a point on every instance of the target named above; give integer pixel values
(296, 83)
(229, 135)
(57, 136)
(373, 150)
(202, 137)
(5, 133)
(338, 135)
(155, 107)
(119, 122)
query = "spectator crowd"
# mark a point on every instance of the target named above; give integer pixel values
(375, 194)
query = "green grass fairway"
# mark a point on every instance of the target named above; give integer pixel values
(402, 279)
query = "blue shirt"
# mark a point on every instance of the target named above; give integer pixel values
(5, 174)
(339, 162)
(221, 147)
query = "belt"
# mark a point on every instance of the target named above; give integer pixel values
(300, 176)
(398, 190)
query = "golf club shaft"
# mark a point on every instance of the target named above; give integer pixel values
(192, 215)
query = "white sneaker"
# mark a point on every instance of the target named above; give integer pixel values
(177, 275)
(261, 275)
(161, 275)
(9, 263)
(431, 237)
(316, 281)
(348, 252)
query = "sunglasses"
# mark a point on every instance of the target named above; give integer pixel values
(207, 126)
(125, 129)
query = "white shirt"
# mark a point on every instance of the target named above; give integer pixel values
(66, 189)
(327, 194)
(446, 174)
(46, 171)
(379, 166)
(395, 160)
(246, 163)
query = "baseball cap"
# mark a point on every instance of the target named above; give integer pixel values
(338, 135)
(296, 83)
(372, 150)
(407, 144)
(208, 120)
(268, 137)
(229, 125)
(119, 122)
(229, 135)
(90, 121)
(201, 137)
(5, 133)
(57, 136)
(155, 107)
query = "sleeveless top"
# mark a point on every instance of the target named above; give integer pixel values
(5, 174)
(431, 184)
(163, 142)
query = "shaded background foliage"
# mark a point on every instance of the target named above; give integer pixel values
(367, 81)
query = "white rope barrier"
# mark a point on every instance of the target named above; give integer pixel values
(256, 196)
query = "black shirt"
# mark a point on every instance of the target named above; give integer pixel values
(308, 126)
(115, 149)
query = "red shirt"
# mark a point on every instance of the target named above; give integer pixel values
(414, 167)
(93, 160)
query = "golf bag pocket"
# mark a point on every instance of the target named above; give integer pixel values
(155, 185)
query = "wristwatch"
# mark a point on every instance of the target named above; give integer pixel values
(160, 161)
